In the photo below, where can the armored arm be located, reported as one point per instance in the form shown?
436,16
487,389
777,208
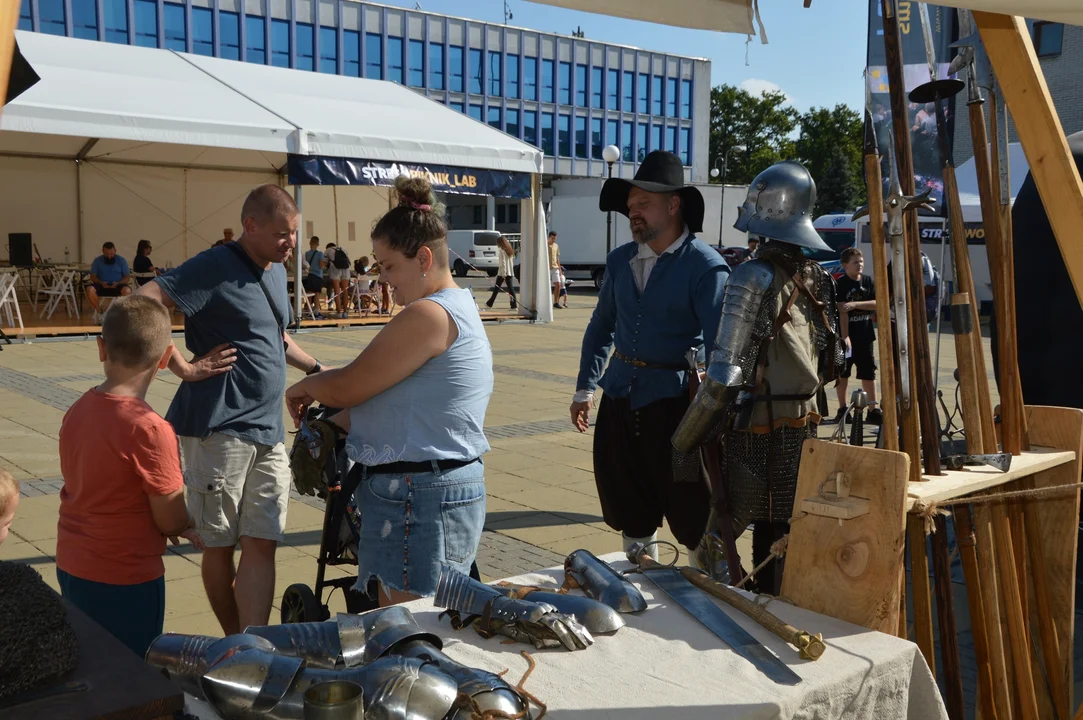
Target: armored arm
725,377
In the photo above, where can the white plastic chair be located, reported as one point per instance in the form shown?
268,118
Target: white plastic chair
9,299
364,288
62,289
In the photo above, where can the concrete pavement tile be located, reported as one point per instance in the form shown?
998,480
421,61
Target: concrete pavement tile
540,528
48,574
178,567
42,506
34,527
585,487
303,517
46,547
16,550
513,461
556,474
204,623
554,499
494,504
598,542
16,472
502,486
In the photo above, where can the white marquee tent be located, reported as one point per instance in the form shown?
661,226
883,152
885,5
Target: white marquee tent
122,143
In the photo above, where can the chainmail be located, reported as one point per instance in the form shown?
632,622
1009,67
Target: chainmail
37,644
762,472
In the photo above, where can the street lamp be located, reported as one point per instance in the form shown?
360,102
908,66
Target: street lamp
715,172
610,153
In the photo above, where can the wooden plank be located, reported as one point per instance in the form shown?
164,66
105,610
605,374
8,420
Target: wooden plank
8,22
991,601
1015,63
921,590
850,570
958,483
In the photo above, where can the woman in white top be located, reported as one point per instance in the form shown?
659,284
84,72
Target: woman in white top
505,272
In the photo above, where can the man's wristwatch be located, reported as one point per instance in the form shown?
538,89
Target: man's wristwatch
315,368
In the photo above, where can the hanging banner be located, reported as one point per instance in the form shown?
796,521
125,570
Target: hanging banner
321,170
928,173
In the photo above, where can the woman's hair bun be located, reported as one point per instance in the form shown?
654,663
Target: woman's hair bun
414,192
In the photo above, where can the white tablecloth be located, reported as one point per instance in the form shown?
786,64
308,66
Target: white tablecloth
664,664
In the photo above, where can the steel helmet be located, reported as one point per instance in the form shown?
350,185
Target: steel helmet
779,206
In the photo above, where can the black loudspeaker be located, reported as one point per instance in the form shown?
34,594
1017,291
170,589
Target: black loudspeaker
20,249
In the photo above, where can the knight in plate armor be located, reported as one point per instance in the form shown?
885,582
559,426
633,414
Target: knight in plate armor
777,345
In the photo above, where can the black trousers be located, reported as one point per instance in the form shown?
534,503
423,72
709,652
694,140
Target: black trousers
634,473
496,290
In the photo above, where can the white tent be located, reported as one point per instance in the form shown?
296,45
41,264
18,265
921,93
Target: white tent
967,177
120,143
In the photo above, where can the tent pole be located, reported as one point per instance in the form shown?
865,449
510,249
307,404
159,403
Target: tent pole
79,210
298,288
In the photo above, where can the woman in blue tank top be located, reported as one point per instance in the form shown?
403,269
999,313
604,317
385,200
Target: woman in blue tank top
416,399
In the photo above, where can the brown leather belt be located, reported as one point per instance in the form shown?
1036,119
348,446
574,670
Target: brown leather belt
682,367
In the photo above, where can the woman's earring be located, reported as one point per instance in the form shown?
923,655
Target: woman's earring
424,274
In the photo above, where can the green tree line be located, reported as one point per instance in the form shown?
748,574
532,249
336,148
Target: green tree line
826,141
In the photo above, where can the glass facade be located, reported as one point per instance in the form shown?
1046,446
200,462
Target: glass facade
567,96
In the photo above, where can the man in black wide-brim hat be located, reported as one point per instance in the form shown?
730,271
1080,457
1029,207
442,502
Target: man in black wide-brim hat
661,296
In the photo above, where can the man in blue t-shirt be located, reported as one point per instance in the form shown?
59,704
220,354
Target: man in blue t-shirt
109,275
228,411
313,281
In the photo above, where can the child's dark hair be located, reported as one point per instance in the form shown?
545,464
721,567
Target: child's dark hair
417,220
849,254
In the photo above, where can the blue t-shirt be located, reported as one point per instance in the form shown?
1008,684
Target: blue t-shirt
222,302
315,262
109,273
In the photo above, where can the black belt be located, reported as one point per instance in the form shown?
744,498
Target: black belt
683,367
421,466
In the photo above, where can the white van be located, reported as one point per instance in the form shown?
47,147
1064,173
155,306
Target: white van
476,249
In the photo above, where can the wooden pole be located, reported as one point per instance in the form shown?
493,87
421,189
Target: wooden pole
969,390
923,400
1013,606
1051,655
945,615
990,595
8,22
921,592
967,543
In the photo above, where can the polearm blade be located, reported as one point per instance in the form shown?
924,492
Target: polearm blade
898,276
927,35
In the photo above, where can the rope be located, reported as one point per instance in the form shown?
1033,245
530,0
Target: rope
476,713
928,513
929,510
778,550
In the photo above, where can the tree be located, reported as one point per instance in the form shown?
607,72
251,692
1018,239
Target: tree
763,124
830,146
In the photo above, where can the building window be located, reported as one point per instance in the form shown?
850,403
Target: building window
548,81
565,92
328,50
176,31
494,73
306,59
530,127
455,68
674,147
596,87
656,138
686,155
513,213
229,35
475,112
581,137
494,117
280,43
374,52
564,135
511,80
628,88
436,66
84,19
417,63
612,90
479,217
686,99
255,44
51,17
203,31
656,95
581,85
146,23
530,78
457,107
26,22
511,123
351,53
547,145
501,214
116,21
628,147
596,138
671,97
394,59
611,137
475,72
641,142
642,83
1048,38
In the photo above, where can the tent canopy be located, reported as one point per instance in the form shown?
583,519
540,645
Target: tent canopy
101,100
967,177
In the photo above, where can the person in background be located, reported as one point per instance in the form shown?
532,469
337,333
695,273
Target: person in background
123,491
9,502
109,276
313,280
417,397
227,237
564,285
505,271
143,263
855,297
385,289
750,251
338,271
554,267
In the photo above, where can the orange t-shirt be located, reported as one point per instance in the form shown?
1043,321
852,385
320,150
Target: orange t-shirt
115,451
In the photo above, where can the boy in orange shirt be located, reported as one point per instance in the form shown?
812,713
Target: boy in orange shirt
9,502
123,490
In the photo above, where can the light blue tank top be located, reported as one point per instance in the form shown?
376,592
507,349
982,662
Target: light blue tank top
438,412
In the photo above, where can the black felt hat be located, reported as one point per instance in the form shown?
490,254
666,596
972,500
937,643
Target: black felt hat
660,172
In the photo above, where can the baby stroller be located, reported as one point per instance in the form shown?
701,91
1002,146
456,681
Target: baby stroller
341,530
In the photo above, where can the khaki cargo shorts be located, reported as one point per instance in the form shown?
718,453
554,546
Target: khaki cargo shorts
235,488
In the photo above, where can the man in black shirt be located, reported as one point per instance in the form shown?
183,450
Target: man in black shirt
855,297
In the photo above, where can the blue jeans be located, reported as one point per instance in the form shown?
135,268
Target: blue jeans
133,614
413,523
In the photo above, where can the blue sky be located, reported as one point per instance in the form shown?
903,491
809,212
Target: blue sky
816,56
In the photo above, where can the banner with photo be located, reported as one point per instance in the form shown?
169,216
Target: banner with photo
928,173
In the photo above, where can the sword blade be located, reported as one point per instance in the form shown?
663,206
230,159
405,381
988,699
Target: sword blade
927,35
703,609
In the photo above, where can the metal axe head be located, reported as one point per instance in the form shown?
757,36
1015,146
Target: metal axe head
999,461
919,202
972,53
862,211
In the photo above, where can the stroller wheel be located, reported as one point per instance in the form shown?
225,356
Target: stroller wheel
299,604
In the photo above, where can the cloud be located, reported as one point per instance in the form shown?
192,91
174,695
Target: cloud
758,86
